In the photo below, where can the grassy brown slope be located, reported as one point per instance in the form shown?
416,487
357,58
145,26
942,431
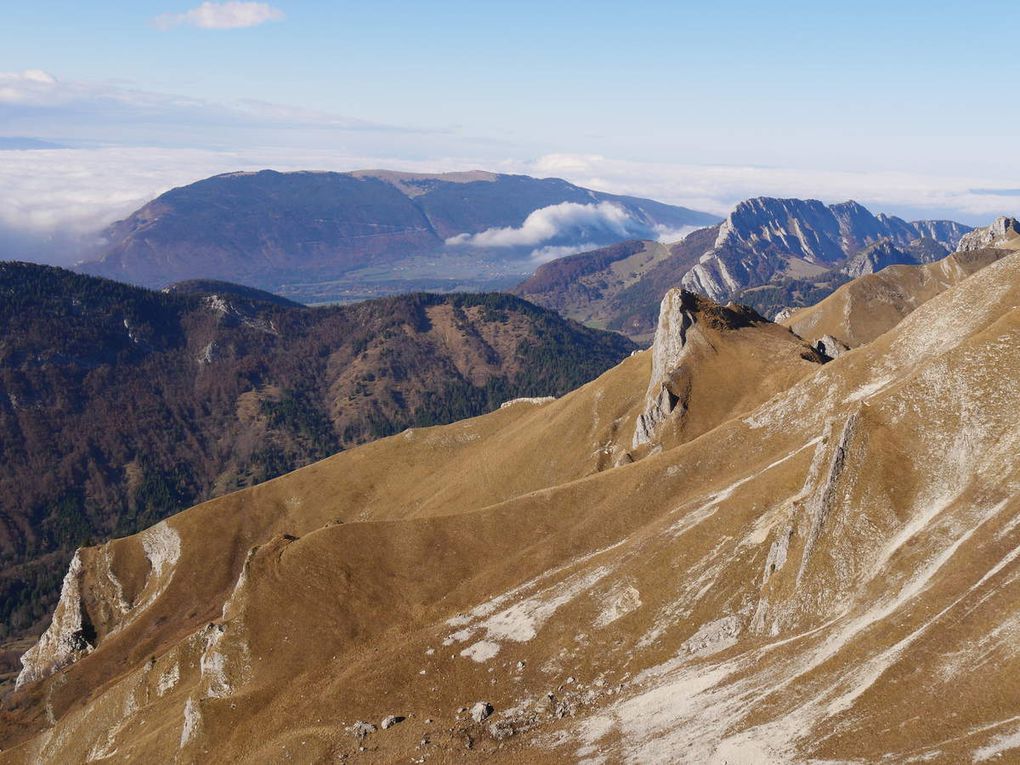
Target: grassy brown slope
865,308
734,361
650,599
120,406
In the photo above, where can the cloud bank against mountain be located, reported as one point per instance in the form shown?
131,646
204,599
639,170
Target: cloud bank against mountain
563,229
769,253
290,232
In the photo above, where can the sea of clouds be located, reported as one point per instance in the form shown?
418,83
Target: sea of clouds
119,147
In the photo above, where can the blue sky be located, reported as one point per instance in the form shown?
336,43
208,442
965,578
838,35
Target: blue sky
907,106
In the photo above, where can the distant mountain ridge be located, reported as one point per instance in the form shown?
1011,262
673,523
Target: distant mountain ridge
769,253
764,237
371,230
215,287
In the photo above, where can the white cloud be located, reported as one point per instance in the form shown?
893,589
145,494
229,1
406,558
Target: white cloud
54,201
668,235
37,104
717,188
229,15
555,221
545,254
28,87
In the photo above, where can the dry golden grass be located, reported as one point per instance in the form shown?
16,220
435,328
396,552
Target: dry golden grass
819,564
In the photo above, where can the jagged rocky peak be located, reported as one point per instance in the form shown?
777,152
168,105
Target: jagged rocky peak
676,317
680,315
763,238
1003,233
948,233
804,227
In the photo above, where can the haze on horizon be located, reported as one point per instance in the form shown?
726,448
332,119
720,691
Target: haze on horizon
906,109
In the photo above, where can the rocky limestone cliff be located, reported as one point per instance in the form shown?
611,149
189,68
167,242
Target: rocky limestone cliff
95,603
1003,233
876,257
761,237
69,636
676,317
687,327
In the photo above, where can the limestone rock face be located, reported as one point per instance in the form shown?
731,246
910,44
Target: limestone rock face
830,346
481,711
783,314
69,635
760,236
535,400
676,317
94,603
1004,232
876,257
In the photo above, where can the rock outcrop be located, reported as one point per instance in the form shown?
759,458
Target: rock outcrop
481,711
676,317
830,346
534,400
763,238
1004,233
876,257
69,636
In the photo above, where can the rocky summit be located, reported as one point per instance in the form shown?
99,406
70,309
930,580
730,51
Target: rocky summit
769,253
798,560
763,237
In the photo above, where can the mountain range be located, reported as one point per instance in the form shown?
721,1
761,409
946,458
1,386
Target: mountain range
769,253
120,406
728,548
322,236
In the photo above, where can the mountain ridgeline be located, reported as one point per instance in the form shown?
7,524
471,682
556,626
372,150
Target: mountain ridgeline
768,253
120,405
725,549
321,236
